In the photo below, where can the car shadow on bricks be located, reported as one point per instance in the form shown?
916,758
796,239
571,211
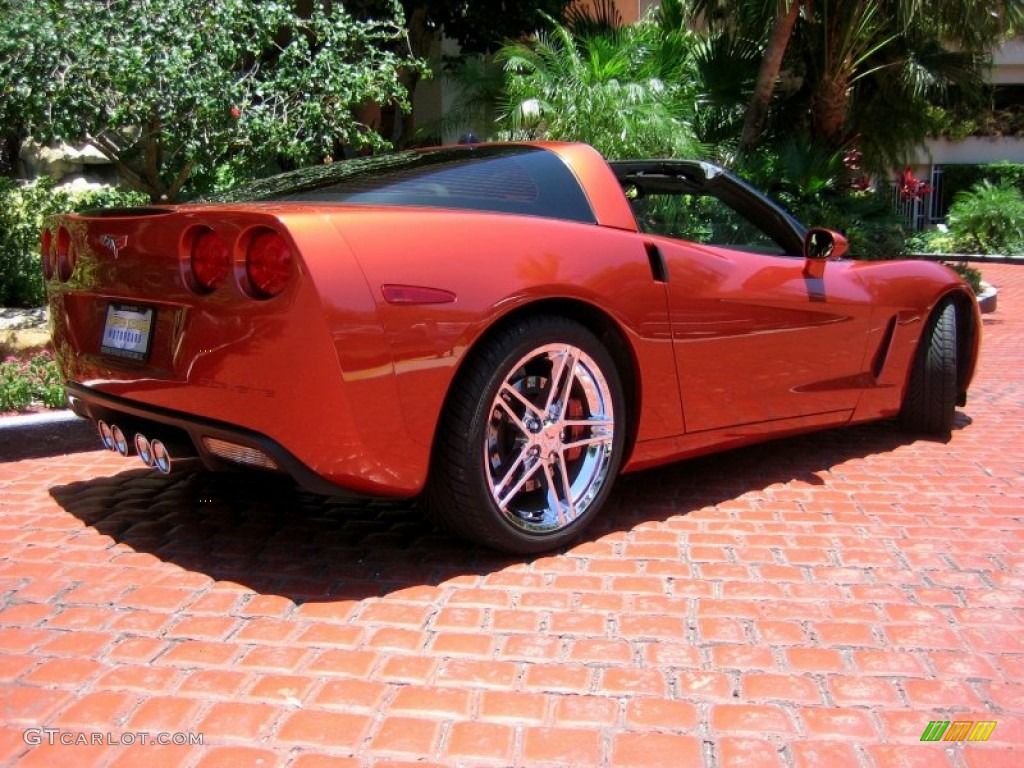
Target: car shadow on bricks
260,531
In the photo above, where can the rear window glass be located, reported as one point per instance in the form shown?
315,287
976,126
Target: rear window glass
495,178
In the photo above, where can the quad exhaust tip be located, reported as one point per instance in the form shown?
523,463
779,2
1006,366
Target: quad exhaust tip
152,452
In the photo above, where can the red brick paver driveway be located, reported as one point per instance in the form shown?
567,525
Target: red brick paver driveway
809,602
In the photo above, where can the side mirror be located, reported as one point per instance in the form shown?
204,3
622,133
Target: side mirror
825,244
821,245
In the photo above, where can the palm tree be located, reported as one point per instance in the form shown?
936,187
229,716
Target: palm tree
853,53
615,89
747,18
786,14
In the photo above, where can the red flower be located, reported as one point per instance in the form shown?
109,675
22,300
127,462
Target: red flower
912,188
236,112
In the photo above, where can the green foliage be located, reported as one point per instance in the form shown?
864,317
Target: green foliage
1005,173
29,382
950,123
23,210
989,218
861,73
935,241
617,91
960,178
814,184
170,89
724,69
867,219
968,273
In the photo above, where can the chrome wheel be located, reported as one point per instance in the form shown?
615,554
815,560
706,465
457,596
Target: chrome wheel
550,438
531,437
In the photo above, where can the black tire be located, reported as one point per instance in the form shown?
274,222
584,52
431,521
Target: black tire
930,402
537,416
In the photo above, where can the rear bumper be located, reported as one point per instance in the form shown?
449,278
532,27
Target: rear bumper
191,435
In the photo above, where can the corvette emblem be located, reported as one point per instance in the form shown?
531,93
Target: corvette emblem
113,243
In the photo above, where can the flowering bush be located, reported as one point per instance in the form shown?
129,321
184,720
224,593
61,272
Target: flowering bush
912,188
30,381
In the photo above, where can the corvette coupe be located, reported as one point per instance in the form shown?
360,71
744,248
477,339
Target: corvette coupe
500,329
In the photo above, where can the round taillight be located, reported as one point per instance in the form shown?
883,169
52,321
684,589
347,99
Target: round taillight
46,248
65,255
268,264
209,260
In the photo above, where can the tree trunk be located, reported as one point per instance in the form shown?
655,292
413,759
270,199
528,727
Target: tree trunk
830,104
771,65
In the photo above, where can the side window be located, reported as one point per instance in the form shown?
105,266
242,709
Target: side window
700,219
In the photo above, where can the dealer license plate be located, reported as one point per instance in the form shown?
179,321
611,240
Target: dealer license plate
128,331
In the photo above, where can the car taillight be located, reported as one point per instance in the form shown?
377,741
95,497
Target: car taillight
268,264
209,260
47,251
65,255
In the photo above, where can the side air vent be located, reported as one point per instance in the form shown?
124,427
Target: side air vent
883,349
659,269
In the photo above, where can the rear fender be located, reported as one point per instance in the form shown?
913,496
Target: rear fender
501,265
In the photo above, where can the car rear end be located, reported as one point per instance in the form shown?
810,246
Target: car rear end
198,332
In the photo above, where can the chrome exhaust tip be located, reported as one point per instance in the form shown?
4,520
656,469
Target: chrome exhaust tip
106,436
145,449
120,441
161,456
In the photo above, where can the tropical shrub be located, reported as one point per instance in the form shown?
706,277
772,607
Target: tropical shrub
616,90
989,218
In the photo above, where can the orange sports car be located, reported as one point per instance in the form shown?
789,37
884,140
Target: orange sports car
500,328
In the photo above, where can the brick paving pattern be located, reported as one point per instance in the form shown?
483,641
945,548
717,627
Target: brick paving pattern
808,602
